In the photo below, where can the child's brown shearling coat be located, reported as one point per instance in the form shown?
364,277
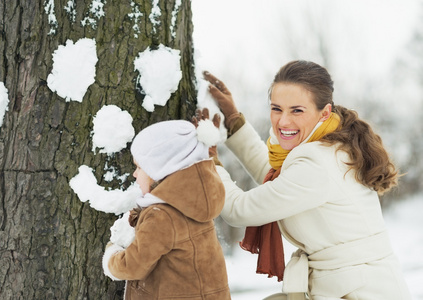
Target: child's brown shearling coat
176,253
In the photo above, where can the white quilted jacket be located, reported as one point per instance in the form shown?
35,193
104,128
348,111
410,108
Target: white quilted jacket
335,221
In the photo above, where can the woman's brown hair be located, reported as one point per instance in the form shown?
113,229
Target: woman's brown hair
369,159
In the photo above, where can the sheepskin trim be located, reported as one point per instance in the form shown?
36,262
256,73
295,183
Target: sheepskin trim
110,251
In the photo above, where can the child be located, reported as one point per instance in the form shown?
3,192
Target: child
175,253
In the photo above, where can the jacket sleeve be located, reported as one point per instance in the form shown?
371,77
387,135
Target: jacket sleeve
304,183
154,237
251,151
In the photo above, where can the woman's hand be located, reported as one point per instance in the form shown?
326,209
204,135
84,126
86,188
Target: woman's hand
223,97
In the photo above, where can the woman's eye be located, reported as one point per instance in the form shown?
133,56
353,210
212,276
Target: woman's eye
276,109
297,111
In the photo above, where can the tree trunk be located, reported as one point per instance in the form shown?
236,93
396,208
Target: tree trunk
51,244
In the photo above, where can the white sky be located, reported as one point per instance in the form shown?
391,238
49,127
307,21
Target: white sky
245,42
373,30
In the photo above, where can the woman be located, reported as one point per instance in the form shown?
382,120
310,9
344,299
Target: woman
327,168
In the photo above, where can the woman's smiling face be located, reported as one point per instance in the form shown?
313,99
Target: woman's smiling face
294,114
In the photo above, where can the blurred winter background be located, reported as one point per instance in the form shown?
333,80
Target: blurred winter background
374,52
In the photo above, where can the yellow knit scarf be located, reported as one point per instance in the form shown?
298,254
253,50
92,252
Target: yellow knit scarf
277,155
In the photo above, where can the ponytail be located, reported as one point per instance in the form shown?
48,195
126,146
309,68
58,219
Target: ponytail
369,159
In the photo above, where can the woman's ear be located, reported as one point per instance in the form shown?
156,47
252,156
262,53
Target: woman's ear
326,111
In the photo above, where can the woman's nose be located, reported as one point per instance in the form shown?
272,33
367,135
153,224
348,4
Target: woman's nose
284,120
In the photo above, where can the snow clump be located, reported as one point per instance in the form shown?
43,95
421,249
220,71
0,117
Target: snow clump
160,73
122,233
117,201
112,129
73,69
205,100
207,133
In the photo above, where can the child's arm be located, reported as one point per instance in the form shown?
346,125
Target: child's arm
111,249
154,237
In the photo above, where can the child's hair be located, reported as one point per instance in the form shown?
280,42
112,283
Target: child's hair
155,184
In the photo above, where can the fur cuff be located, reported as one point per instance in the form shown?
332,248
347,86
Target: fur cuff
110,251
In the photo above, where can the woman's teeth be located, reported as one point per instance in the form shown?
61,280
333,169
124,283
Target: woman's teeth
289,132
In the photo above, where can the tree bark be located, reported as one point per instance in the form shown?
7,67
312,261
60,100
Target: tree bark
51,244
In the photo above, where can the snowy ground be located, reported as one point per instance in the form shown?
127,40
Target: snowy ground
405,224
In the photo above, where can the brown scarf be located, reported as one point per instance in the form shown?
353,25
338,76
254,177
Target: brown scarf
266,240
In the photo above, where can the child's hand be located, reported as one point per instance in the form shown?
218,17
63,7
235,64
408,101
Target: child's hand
204,115
111,250
122,233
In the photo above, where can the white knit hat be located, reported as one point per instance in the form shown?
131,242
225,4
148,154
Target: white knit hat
166,147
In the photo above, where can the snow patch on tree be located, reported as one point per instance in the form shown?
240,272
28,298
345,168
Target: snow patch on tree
160,73
174,17
4,102
49,9
135,15
112,173
112,129
155,15
117,201
71,10
73,69
95,13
